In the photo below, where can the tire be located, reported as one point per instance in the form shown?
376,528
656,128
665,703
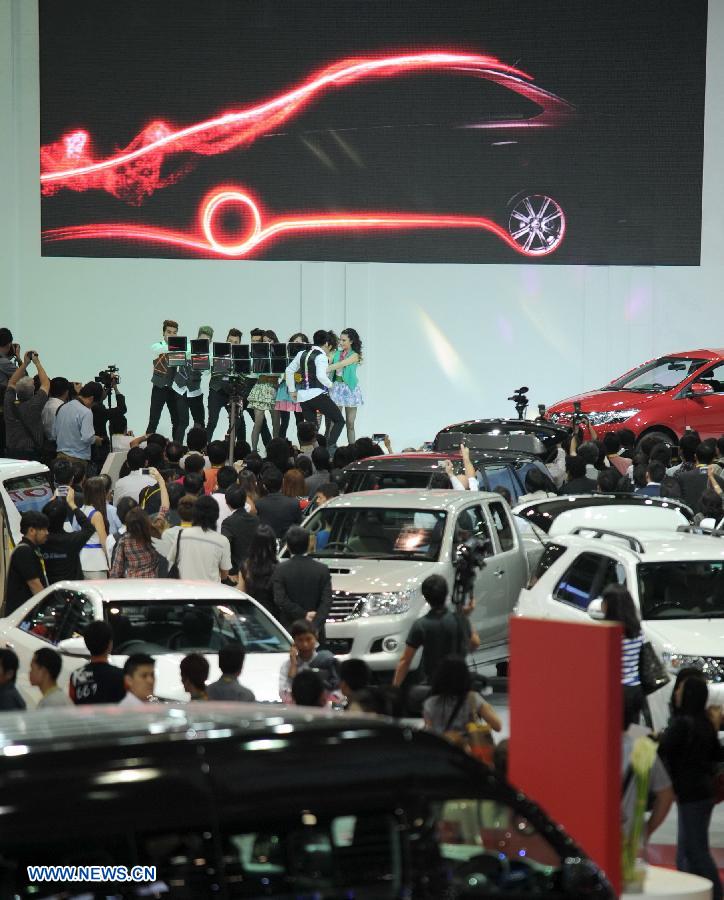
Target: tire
536,222
667,437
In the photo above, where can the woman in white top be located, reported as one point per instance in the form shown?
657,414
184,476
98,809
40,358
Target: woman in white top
93,557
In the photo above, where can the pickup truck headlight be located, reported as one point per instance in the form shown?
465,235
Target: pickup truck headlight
387,603
613,417
710,666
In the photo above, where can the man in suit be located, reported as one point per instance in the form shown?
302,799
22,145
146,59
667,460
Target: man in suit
276,510
695,482
655,474
240,527
302,585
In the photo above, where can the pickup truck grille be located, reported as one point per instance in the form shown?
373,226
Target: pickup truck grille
345,606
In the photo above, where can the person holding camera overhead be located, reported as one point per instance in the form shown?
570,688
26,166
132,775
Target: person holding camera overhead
23,410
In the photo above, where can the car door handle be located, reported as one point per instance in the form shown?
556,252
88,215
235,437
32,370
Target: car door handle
499,573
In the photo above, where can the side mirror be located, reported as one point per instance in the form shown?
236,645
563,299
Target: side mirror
698,389
74,647
595,609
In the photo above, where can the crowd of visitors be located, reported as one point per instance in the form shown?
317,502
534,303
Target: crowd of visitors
179,508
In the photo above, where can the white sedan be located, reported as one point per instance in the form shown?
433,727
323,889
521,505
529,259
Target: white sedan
164,618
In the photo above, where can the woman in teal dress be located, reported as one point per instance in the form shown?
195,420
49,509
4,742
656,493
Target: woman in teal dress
346,391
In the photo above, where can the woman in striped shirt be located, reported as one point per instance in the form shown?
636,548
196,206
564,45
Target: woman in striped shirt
618,606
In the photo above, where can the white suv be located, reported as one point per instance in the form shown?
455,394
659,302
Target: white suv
676,580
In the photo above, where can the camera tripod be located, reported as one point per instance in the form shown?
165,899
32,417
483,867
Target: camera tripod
236,409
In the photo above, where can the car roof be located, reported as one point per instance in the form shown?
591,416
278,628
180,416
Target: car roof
16,468
428,460
106,724
411,498
554,506
149,590
652,546
713,354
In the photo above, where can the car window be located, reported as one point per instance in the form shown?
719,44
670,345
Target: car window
660,375
682,590
551,553
172,626
500,517
714,377
501,476
492,849
55,617
471,523
30,492
378,532
383,481
587,578
313,856
421,98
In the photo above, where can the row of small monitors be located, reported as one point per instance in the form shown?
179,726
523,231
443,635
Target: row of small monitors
259,358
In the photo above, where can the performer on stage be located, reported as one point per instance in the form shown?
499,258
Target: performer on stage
219,393
284,404
189,395
162,394
313,390
345,390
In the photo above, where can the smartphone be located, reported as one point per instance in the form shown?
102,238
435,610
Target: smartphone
145,471
378,438
62,490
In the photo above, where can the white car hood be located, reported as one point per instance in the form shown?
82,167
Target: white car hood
690,637
377,575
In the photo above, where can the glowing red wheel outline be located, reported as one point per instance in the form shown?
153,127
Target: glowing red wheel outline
274,229
209,209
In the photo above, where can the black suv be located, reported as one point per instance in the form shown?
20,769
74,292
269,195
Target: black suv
499,468
523,435
231,800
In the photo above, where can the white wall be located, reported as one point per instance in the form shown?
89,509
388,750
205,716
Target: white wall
443,342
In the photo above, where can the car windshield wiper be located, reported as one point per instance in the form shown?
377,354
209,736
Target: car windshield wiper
336,554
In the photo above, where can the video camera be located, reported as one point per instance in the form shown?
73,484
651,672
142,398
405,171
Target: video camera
107,377
520,398
469,559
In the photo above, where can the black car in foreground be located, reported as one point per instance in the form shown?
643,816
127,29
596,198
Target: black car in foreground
499,468
231,800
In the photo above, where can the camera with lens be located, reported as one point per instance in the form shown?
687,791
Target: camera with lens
107,377
469,559
520,398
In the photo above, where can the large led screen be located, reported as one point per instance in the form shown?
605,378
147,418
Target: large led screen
565,131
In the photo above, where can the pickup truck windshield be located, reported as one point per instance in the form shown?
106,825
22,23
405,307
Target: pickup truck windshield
682,590
377,533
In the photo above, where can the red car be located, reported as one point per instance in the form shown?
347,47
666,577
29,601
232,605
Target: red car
664,396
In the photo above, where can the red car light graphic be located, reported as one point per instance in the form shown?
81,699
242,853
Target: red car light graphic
134,173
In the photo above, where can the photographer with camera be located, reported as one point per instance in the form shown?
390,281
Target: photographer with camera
9,361
441,632
108,381
23,410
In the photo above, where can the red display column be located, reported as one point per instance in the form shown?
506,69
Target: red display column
565,729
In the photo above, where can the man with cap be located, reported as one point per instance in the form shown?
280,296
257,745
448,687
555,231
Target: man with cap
23,410
189,396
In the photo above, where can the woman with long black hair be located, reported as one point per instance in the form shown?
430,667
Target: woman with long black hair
255,576
618,606
346,391
453,703
691,751
262,396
